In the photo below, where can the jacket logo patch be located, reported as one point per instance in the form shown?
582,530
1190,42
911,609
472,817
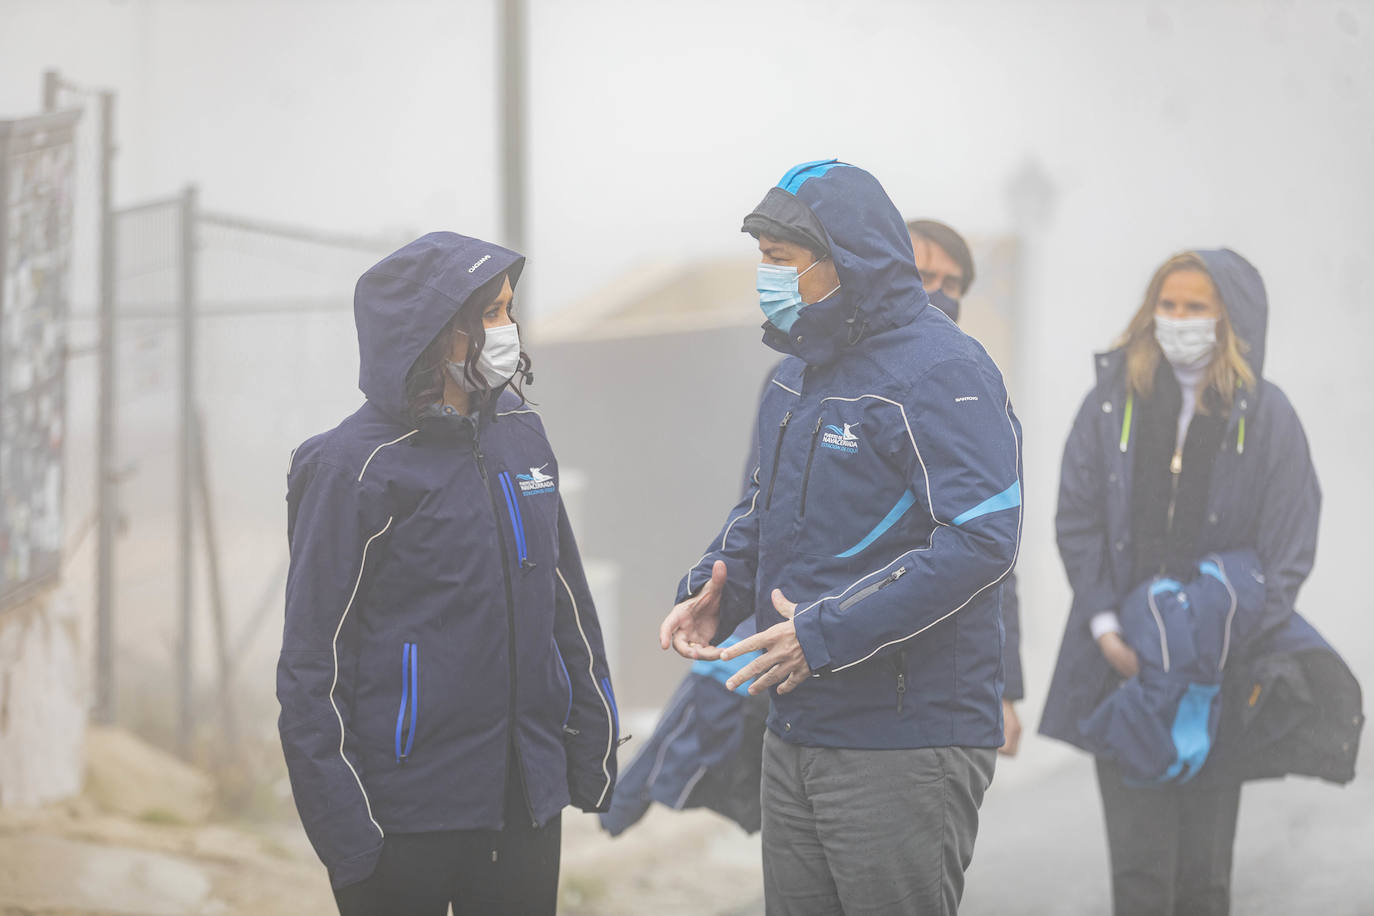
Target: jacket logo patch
841,440
480,261
536,482
967,397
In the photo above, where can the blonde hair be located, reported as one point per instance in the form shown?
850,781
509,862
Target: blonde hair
1226,374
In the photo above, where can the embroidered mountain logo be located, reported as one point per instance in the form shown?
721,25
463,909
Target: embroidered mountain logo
536,482
841,440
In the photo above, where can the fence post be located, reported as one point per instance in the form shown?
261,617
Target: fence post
107,510
186,474
512,88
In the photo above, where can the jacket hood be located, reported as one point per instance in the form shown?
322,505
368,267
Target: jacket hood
880,287
1242,292
406,298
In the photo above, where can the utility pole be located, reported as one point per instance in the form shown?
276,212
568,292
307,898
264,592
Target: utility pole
107,509
186,455
512,87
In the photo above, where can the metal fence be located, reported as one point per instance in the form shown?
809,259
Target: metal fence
235,342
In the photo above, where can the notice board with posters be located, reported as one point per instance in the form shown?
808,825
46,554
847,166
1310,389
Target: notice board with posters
37,179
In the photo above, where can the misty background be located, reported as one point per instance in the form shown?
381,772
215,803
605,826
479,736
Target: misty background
1102,136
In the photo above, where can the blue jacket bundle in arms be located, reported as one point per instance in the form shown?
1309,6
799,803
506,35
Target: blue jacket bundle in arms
1160,725
1263,497
886,499
436,609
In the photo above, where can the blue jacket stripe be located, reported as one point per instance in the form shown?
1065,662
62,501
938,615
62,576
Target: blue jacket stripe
519,518
405,695
414,695
722,670
514,518
1009,498
564,665
894,514
798,175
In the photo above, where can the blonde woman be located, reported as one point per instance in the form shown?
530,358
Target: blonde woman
1182,450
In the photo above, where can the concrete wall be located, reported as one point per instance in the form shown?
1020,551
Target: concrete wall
42,702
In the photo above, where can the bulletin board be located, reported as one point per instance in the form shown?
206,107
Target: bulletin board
37,178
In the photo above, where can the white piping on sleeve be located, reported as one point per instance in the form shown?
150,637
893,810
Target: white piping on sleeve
1230,616
753,503
687,790
507,413
1020,518
591,673
668,743
785,388
1159,622
335,647
379,448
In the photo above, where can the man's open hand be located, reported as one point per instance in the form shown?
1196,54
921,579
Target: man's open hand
782,663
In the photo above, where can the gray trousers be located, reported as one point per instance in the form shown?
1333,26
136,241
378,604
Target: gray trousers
866,832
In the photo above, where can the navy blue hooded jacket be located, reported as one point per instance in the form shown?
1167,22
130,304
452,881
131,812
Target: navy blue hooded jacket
1160,725
885,498
436,609
1263,497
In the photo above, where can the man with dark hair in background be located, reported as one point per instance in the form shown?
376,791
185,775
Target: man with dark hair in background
946,266
713,760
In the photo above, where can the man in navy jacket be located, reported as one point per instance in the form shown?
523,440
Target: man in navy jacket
883,512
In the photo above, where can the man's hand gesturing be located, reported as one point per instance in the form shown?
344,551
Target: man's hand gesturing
691,625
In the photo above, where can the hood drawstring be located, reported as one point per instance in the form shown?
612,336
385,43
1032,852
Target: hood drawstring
858,327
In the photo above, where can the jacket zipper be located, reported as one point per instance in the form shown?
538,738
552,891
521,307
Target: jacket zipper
1175,471
517,520
777,456
410,700
867,590
567,680
810,456
510,622
901,678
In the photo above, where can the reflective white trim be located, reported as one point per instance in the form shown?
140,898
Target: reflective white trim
785,388
930,505
687,790
591,673
1020,518
668,743
1231,615
379,448
1159,622
753,503
335,648
507,413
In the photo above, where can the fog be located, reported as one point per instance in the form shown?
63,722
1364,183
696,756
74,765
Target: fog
1102,136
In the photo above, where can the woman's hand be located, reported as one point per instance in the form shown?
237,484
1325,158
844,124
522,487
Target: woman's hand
1119,655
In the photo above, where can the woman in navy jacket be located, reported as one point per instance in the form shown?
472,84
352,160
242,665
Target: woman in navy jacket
443,682
1181,449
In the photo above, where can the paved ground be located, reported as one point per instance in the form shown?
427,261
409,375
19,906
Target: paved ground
1303,847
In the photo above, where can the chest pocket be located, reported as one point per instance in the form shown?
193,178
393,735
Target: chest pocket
529,496
852,492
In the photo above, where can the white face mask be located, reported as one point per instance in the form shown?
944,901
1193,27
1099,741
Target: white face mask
1187,342
497,362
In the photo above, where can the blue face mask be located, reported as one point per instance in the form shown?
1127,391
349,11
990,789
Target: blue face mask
780,295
